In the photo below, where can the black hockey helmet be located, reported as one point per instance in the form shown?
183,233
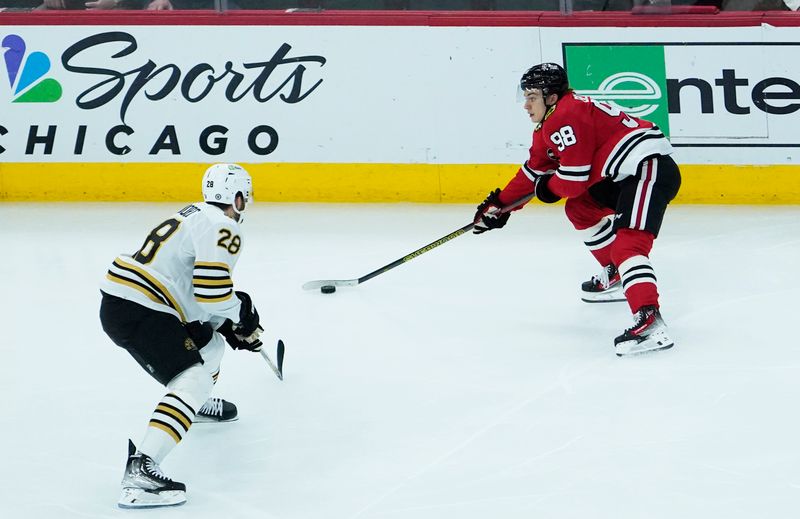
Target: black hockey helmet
550,78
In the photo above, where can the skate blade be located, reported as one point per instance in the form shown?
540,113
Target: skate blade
614,297
141,498
203,419
614,300
665,345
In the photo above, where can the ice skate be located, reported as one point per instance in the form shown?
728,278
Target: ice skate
649,333
605,287
216,410
145,486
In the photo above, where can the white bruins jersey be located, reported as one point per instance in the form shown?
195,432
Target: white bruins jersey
184,267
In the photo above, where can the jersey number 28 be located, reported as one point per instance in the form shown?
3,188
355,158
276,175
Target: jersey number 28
229,241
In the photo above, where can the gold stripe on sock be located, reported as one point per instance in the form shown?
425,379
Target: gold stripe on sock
174,413
167,429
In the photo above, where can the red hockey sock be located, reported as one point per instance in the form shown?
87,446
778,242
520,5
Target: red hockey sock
629,253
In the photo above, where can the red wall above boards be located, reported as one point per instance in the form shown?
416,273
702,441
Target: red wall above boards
689,18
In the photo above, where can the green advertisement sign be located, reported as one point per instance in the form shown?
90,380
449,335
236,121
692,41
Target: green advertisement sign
632,78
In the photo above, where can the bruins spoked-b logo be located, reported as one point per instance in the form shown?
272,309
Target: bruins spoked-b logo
189,344
26,73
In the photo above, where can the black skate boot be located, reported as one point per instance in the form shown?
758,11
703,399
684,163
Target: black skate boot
216,410
649,333
145,486
603,288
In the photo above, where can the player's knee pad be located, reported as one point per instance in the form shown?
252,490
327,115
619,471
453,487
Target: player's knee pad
193,385
583,212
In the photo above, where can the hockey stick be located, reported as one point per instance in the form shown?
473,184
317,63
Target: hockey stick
312,285
278,370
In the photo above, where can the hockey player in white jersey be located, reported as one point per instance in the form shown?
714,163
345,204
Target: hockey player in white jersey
172,306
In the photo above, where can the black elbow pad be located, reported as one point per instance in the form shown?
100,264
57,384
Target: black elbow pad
543,193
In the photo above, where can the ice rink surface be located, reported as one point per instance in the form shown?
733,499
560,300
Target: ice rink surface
468,383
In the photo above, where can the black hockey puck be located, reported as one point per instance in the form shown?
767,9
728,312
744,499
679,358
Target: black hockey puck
328,289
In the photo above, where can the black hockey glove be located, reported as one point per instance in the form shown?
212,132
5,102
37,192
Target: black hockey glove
543,192
488,216
240,342
200,333
248,316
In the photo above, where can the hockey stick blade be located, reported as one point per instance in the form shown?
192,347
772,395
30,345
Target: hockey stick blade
280,357
275,369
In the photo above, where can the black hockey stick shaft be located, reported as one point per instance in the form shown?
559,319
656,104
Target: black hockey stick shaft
418,252
440,241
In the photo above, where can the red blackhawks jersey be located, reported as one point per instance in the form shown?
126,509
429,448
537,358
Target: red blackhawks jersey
584,141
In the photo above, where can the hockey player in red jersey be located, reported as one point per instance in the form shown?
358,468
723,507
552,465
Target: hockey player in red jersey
172,306
617,176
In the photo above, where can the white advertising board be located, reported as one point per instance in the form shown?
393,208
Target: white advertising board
264,94
432,95
724,95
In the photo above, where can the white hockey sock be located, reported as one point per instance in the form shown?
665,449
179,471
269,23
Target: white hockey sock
175,412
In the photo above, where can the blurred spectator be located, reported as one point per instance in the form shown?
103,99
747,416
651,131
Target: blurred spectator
760,5
379,5
601,5
152,5
19,4
91,5
169,5
667,5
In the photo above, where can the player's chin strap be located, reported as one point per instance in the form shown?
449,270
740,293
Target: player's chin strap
550,110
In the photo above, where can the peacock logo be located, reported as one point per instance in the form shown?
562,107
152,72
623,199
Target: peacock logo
25,74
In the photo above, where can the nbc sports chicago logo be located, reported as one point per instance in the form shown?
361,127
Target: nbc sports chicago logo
27,73
84,69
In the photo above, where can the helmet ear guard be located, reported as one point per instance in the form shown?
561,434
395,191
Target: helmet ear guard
222,182
550,78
